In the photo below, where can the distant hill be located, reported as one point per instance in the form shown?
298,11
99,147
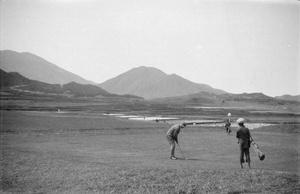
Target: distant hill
255,101
37,68
211,98
18,82
85,90
91,90
288,97
14,79
150,83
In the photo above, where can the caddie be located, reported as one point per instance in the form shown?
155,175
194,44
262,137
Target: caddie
244,139
172,137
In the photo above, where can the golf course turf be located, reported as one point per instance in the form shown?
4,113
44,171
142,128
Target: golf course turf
50,152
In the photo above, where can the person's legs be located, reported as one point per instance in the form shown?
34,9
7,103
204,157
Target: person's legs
172,148
242,152
227,130
247,153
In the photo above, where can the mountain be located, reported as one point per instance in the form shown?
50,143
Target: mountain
15,81
150,83
37,68
288,97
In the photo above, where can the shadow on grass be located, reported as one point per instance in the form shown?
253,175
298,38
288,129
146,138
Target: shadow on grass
195,159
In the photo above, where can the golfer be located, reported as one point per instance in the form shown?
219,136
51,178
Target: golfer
244,139
228,124
172,137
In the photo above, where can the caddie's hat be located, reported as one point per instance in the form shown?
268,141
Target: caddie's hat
240,120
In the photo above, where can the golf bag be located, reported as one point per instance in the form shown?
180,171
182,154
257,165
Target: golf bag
255,148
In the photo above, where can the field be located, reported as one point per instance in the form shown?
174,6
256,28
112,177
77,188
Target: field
83,151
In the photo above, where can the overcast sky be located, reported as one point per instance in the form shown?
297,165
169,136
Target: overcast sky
237,46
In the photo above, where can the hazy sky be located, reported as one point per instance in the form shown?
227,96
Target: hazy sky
237,46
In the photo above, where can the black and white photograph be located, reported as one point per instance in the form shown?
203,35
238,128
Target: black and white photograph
149,96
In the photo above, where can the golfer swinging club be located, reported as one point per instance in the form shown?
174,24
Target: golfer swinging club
172,137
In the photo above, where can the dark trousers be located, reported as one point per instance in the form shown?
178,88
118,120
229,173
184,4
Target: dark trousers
227,130
244,151
172,144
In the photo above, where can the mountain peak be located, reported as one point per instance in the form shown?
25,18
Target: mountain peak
36,68
145,69
150,82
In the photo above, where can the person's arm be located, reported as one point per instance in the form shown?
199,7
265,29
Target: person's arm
176,132
176,137
250,137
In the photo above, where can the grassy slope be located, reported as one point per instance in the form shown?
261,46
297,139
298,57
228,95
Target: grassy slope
63,153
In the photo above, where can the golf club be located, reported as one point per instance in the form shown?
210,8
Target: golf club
181,151
257,151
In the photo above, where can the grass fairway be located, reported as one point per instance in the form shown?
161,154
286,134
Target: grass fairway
46,152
